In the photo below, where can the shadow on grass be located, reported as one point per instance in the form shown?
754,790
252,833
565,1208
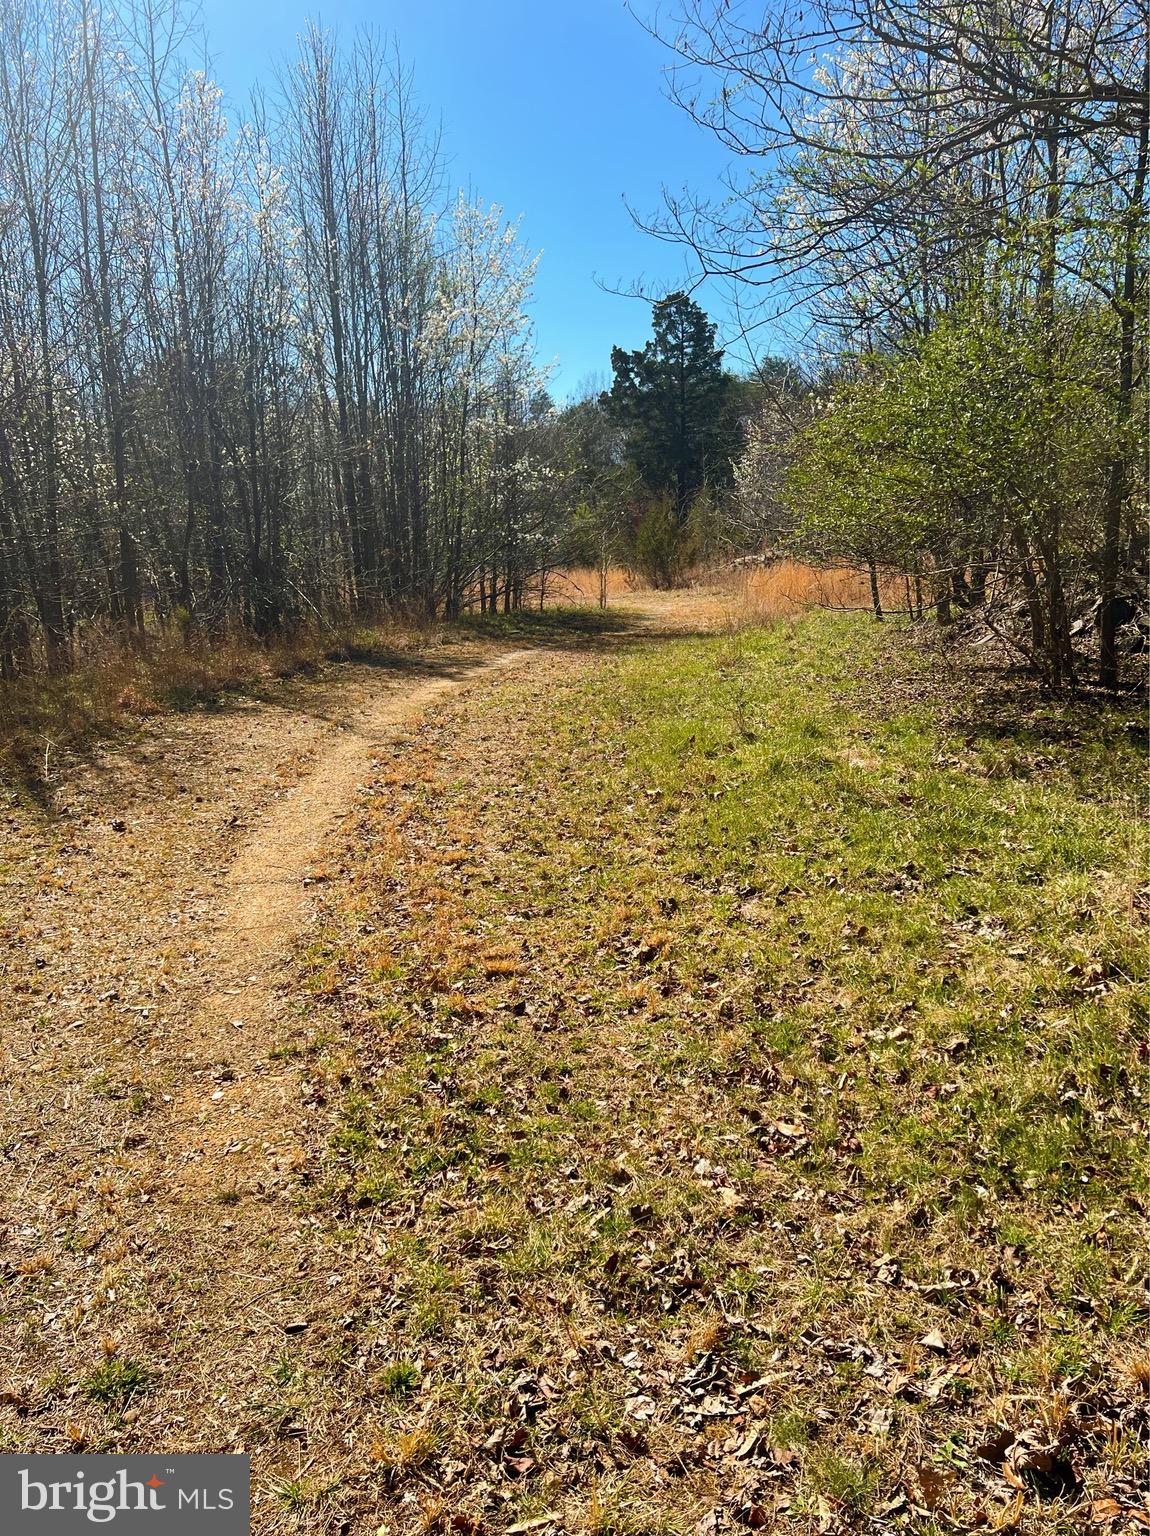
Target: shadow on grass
556,626
995,701
1012,706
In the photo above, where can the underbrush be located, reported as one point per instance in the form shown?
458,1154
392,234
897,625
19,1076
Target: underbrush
114,687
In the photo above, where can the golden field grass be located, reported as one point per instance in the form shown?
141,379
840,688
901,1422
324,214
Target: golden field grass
786,588
754,594
578,586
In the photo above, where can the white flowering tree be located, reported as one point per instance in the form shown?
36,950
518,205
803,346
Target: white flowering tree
255,365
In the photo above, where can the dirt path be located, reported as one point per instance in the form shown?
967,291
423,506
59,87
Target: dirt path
265,901
266,907
142,998
152,1126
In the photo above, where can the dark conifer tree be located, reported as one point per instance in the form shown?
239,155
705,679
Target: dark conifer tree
676,404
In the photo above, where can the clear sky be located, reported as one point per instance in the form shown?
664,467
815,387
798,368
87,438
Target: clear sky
555,109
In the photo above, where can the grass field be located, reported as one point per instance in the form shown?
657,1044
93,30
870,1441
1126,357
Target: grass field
728,1065
783,589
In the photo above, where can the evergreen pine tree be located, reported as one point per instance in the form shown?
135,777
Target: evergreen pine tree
676,404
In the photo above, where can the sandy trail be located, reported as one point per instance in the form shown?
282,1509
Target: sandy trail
234,1122
265,896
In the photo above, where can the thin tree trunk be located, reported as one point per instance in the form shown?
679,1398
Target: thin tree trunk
1116,488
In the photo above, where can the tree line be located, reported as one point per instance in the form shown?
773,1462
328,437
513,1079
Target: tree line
955,196
254,368
263,368
654,459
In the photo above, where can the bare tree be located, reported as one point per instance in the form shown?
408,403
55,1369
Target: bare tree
253,369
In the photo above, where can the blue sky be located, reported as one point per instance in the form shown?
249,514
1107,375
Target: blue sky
554,109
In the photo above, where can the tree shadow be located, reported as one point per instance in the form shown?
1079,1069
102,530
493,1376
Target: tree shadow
1010,705
582,629
555,626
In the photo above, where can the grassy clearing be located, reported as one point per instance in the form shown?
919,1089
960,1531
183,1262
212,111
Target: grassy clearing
732,1058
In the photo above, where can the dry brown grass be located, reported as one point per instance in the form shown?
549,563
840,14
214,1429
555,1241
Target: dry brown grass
113,688
788,587
757,594
573,587
580,585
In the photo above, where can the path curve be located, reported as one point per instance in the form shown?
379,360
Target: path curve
156,1138
223,1129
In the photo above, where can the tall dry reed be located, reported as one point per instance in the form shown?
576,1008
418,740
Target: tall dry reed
787,587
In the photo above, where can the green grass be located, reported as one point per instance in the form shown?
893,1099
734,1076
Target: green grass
115,1382
399,1379
755,1006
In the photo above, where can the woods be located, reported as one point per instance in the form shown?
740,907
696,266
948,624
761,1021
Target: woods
956,197
257,367
261,367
